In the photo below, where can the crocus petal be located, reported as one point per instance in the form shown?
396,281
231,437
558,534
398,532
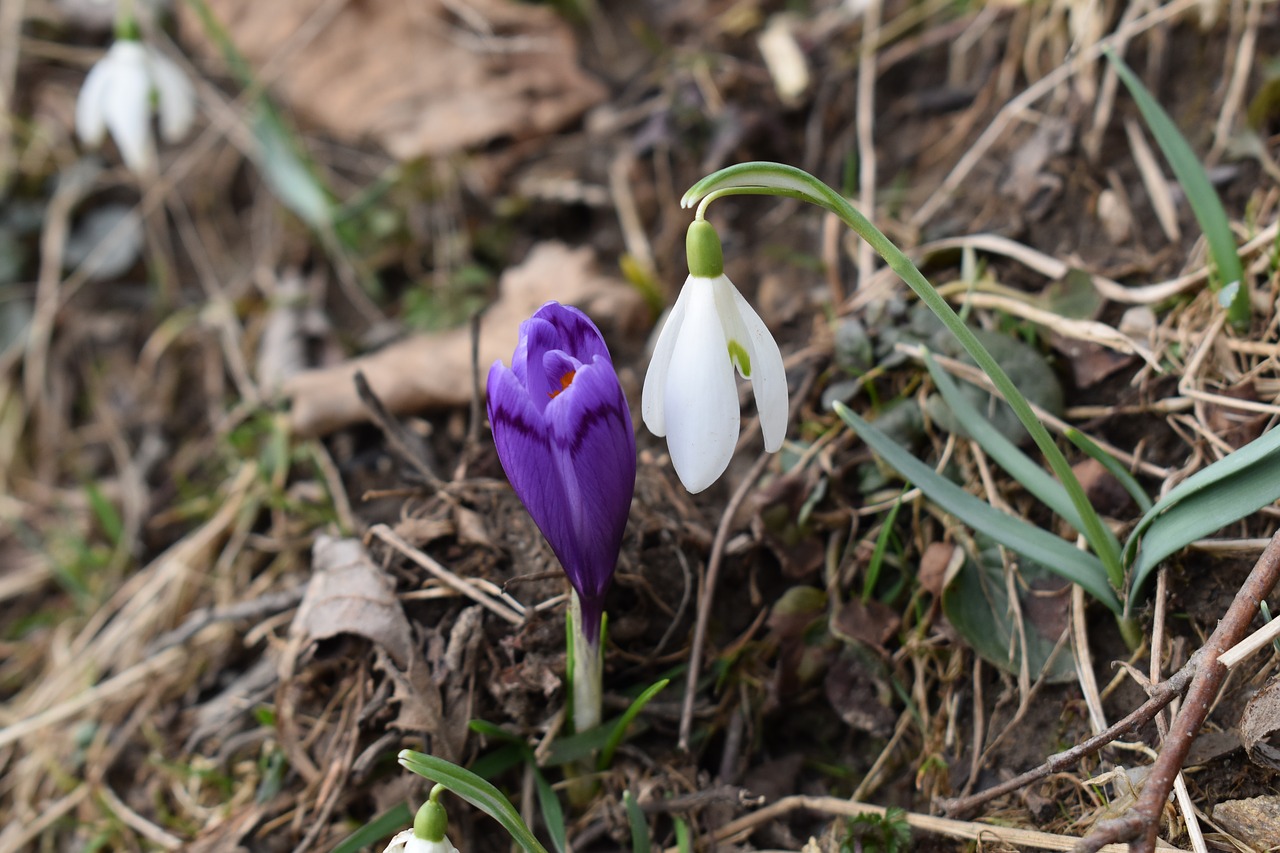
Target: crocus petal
554,327
537,338
523,441
562,430
578,335
176,99
594,448
768,376
701,400
91,125
127,106
653,397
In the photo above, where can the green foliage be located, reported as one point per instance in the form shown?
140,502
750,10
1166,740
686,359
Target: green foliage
977,605
639,827
619,728
1226,491
1233,289
788,181
375,830
470,787
430,309
873,833
1021,536
280,157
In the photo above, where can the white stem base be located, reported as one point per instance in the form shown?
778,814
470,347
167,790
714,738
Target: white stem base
588,673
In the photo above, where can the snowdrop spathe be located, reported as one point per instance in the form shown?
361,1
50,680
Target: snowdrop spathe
117,95
690,394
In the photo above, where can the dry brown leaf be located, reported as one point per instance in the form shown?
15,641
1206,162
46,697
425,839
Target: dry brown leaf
1235,426
872,623
1105,492
1255,821
349,594
938,565
425,78
421,709
434,370
858,692
1260,726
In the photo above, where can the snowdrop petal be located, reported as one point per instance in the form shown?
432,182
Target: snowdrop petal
175,96
126,104
653,397
700,399
407,842
768,376
91,124
117,97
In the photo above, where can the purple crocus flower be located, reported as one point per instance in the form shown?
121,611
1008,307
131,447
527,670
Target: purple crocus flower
563,433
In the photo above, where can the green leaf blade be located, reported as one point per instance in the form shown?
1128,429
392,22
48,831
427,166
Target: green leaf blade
475,791
619,729
1225,492
1006,454
639,828
1059,556
1204,200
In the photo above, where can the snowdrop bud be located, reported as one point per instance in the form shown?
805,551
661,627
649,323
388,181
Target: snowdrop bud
427,835
117,97
690,395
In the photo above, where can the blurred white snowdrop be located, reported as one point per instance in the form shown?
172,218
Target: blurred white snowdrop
117,97
690,395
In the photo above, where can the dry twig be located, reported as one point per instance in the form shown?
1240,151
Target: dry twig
1143,820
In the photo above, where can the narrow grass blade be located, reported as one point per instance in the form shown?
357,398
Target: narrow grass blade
493,764
877,556
494,731
580,746
619,730
761,178
474,790
284,166
1197,509
684,843
1019,466
549,804
387,823
1204,201
639,828
1059,556
1113,466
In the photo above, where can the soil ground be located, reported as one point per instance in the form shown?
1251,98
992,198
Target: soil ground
167,507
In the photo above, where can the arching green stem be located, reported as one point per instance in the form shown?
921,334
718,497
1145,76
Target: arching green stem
778,179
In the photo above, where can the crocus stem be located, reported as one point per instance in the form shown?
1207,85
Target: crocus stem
588,671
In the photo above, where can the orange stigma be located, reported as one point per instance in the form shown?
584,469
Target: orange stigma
565,382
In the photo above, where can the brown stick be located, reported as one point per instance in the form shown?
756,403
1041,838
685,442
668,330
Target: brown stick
1190,677
1161,694
1142,823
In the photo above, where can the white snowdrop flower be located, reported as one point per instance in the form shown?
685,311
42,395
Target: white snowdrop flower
117,97
407,842
690,395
